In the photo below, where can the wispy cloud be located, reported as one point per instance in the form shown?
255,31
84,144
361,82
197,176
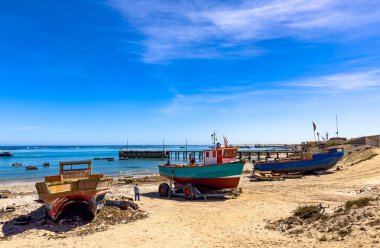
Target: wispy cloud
348,82
211,29
209,98
343,81
29,128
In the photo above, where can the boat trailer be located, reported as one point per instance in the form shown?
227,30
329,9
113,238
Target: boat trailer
190,192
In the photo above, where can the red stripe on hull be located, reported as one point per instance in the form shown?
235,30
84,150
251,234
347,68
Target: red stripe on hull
210,183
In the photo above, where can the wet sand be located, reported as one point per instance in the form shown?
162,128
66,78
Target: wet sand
219,222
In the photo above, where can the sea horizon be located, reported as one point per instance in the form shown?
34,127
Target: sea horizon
38,155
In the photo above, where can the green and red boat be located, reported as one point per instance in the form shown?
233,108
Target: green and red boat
219,171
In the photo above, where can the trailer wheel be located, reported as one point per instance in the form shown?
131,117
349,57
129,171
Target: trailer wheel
163,189
188,191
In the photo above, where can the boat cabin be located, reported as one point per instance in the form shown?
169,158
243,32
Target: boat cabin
220,155
74,171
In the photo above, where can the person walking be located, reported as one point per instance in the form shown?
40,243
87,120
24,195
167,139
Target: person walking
136,189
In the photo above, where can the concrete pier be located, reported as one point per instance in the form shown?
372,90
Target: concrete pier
184,155
142,154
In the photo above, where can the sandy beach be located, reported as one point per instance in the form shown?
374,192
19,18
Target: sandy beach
219,222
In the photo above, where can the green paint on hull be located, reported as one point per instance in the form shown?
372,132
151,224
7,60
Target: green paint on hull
204,171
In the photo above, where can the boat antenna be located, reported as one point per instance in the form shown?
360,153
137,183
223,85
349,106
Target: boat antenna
213,135
336,121
225,141
213,138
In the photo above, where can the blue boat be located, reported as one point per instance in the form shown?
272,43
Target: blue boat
308,163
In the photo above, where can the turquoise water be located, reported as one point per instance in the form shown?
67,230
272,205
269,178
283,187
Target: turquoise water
54,154
36,156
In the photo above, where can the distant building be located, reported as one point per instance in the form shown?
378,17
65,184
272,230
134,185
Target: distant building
323,144
373,140
336,141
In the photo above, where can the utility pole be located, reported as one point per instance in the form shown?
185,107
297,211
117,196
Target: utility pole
336,120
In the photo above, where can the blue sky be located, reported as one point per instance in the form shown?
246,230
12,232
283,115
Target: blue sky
103,72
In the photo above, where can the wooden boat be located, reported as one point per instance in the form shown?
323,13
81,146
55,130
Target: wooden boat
307,162
274,176
74,189
46,164
31,167
6,154
219,171
17,164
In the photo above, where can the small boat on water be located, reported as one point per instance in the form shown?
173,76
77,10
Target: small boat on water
306,162
17,164
108,159
74,189
46,164
6,154
219,171
31,167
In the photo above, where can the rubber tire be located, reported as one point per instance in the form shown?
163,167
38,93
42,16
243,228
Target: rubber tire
163,189
188,192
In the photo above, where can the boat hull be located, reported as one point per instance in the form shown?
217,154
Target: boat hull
217,176
6,155
89,193
322,161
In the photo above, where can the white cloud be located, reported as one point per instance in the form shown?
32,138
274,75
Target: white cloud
253,93
343,81
210,29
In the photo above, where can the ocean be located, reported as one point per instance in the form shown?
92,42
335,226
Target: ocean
37,155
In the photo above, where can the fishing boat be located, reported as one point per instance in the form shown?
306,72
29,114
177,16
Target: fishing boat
74,189
219,171
6,154
108,159
306,162
31,167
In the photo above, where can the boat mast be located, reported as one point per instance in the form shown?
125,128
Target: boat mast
213,137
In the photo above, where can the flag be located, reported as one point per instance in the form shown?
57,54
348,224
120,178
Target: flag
314,126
